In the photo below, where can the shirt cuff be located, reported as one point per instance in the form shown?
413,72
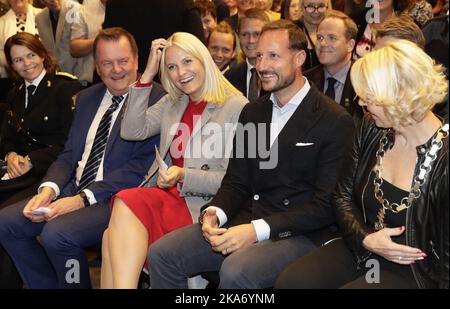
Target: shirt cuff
142,85
90,196
220,215
262,229
52,185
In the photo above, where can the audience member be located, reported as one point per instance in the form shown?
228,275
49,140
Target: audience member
391,201
198,97
94,165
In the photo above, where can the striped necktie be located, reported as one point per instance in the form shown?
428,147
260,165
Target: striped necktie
98,148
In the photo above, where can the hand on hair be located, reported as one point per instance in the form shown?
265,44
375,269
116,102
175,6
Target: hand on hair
153,60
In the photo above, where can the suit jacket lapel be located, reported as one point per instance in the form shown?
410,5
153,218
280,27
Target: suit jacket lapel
18,104
303,119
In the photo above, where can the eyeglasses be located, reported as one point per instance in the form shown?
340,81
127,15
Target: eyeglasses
312,8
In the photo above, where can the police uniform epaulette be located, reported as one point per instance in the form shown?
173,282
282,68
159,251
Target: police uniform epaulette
67,75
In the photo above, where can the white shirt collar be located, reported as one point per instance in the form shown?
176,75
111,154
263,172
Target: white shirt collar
296,99
37,80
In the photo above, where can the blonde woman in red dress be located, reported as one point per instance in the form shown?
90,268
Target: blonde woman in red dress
195,122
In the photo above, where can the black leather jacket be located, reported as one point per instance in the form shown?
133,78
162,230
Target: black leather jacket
427,219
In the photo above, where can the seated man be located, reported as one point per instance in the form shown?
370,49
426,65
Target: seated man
272,207
336,36
221,44
95,164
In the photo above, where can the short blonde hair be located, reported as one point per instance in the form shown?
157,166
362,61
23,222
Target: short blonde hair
216,88
402,78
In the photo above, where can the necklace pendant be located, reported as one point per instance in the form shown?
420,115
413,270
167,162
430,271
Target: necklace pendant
379,225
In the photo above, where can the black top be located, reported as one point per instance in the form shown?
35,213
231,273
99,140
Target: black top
394,195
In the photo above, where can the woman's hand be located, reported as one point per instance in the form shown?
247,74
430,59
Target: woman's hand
380,243
17,165
153,61
170,178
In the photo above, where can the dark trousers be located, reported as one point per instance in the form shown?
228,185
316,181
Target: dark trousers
58,259
184,253
333,266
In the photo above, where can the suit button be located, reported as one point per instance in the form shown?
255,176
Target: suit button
256,197
205,167
286,202
45,118
21,120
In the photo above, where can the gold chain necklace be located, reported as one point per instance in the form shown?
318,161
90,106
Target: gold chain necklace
419,179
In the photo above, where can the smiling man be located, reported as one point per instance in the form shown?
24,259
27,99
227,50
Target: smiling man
94,165
336,36
244,76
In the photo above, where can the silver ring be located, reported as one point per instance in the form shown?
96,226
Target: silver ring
226,251
399,258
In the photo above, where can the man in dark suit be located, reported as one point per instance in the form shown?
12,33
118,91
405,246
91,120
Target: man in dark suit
149,20
94,165
244,76
271,207
336,35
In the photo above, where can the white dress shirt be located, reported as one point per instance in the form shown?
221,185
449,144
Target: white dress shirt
104,105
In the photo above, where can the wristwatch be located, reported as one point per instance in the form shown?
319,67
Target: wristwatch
85,199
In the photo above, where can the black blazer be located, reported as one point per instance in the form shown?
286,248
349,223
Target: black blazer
152,19
294,197
349,99
237,76
47,119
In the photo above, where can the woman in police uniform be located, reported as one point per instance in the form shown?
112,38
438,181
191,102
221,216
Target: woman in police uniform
38,118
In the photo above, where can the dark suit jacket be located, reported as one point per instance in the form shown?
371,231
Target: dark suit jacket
125,162
237,76
294,197
47,119
349,100
152,19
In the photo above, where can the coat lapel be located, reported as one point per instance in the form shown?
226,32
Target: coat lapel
303,119
173,118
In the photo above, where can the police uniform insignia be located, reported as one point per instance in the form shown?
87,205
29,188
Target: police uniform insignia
49,84
74,100
65,74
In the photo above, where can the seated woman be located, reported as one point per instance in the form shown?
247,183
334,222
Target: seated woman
196,123
38,118
391,201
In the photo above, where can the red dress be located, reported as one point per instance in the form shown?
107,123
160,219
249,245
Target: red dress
162,211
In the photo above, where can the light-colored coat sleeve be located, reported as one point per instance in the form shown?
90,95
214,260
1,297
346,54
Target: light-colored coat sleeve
140,121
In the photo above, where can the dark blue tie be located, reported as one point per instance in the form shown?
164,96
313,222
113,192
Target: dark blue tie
98,148
330,89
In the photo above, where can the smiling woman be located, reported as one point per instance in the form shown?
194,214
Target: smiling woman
39,114
198,96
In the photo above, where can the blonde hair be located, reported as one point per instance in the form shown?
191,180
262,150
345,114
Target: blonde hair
216,88
402,78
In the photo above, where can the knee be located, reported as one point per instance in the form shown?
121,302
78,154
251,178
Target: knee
54,238
11,219
234,274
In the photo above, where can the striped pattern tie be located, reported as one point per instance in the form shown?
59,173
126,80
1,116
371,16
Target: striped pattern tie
98,148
